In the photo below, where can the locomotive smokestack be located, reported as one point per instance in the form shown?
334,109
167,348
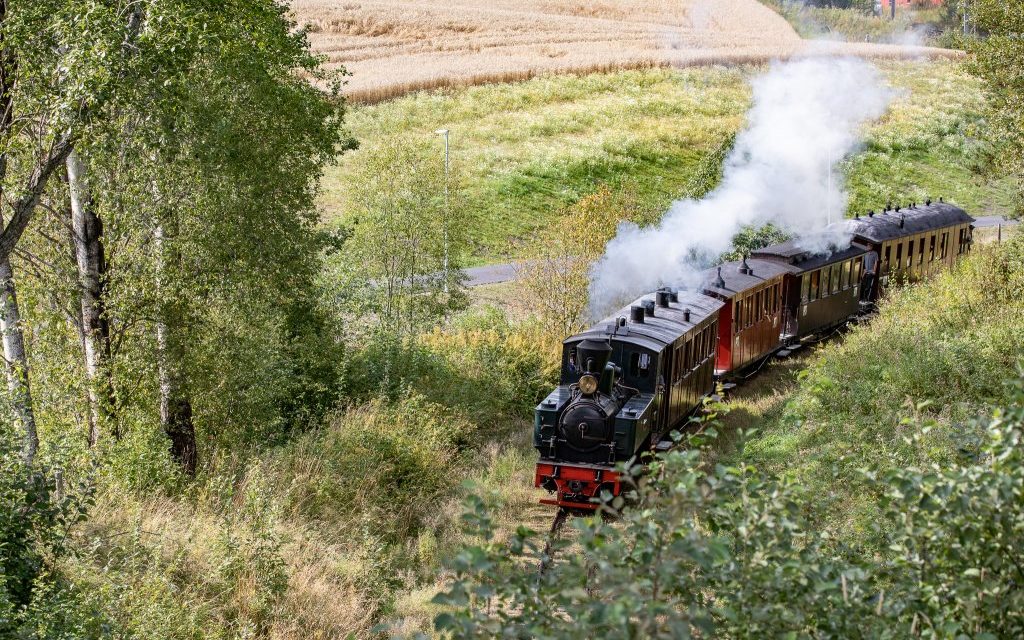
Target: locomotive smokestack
594,354
720,283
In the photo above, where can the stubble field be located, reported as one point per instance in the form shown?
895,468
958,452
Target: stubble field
393,47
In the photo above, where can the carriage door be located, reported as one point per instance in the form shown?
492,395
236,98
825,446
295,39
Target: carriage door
790,305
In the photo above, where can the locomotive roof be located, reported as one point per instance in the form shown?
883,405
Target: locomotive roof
791,252
738,282
654,333
916,219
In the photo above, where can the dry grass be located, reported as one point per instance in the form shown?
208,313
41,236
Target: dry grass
393,47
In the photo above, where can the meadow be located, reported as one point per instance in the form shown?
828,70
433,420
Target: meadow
392,48
524,151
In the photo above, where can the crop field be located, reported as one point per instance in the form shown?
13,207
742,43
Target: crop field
524,151
393,47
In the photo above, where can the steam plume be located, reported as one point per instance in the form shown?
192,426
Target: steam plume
806,117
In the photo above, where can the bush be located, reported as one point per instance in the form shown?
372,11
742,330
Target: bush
939,351
379,462
36,601
731,552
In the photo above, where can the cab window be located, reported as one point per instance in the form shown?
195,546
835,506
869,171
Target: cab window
639,363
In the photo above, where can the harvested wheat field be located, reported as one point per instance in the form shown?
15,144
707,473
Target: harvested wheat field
393,47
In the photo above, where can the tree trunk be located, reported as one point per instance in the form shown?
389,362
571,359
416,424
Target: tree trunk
175,402
16,360
87,235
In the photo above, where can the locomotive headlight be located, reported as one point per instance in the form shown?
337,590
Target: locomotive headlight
588,384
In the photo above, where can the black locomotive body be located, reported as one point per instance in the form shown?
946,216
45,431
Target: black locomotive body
639,374
625,383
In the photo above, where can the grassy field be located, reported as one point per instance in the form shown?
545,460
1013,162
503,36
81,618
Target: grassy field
525,150
857,400
392,47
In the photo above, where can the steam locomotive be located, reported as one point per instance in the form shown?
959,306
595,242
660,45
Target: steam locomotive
636,376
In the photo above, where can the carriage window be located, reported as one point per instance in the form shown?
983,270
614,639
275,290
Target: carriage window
942,245
885,263
910,253
857,265
815,280
931,249
826,277
837,273
638,364
899,256
759,306
846,275
805,288
920,251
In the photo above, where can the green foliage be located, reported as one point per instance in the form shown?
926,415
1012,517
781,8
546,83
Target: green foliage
856,21
998,59
402,261
732,552
966,337
751,239
955,534
382,462
36,601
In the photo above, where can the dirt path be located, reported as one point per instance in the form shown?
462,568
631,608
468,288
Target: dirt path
395,46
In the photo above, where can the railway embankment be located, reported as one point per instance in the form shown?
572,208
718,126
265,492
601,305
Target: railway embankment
938,354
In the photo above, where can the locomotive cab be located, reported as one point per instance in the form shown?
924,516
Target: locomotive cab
624,384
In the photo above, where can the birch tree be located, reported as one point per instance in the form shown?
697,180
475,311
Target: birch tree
403,224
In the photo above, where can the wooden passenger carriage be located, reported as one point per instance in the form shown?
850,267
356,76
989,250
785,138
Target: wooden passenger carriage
751,320
914,242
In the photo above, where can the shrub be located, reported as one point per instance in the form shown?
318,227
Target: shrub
379,462
731,552
939,350
36,601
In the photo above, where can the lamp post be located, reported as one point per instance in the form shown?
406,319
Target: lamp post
444,220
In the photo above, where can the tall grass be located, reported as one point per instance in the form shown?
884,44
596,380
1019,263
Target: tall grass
344,525
939,352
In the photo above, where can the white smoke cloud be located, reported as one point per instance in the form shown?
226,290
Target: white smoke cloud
806,117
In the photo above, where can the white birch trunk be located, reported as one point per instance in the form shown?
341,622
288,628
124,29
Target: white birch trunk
175,402
16,360
87,235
